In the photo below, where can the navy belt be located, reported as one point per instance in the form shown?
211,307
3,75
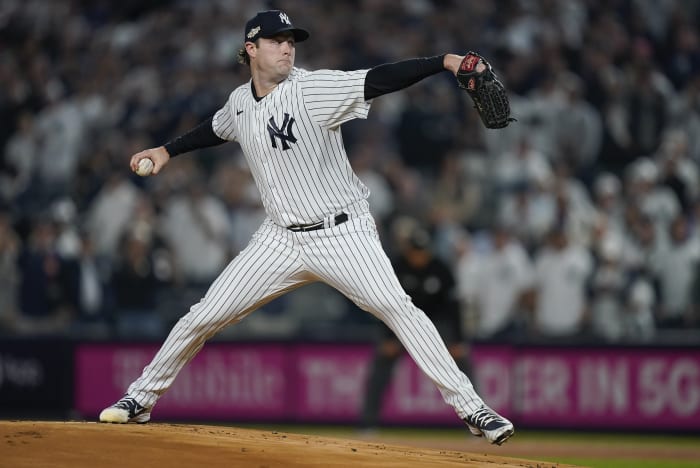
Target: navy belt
339,219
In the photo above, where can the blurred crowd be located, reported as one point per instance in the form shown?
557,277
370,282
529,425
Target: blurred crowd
580,220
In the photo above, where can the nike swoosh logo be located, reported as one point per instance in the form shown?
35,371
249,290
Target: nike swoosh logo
239,112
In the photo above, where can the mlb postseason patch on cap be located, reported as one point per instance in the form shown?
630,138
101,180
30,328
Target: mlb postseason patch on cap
270,23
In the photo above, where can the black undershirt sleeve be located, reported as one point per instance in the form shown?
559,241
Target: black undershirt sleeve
201,136
382,79
390,77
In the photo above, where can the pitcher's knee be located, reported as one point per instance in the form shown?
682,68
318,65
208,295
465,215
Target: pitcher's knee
388,306
202,320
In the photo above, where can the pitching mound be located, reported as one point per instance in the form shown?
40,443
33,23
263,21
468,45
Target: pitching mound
88,444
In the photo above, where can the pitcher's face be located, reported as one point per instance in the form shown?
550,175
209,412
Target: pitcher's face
274,55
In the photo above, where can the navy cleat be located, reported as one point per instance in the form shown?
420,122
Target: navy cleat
486,422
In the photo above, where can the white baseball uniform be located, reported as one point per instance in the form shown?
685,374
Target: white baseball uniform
292,141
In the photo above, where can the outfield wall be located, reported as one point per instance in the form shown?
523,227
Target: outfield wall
538,387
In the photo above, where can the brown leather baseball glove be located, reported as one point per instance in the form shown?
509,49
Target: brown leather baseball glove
487,92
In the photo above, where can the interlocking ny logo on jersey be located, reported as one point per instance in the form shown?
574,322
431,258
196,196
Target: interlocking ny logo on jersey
284,133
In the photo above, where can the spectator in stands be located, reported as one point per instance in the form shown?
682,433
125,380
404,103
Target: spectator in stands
531,210
641,246
647,96
65,217
676,266
574,209
458,200
109,212
364,158
48,286
94,299
683,50
677,170
428,126
609,207
639,312
607,290
17,167
466,270
61,130
562,271
501,285
136,283
410,197
657,202
195,225
233,184
685,114
10,246
579,127
522,166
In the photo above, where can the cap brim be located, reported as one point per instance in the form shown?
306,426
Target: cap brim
299,34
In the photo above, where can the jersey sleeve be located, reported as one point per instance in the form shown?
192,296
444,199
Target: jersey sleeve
223,123
334,97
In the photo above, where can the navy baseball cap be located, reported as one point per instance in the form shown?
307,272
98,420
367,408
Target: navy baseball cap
270,23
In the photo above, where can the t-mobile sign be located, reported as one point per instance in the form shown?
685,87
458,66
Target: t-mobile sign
247,382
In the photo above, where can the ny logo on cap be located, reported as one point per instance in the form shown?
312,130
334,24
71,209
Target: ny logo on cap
285,19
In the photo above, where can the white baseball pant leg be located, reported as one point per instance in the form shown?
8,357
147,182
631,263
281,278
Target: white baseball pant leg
267,268
350,258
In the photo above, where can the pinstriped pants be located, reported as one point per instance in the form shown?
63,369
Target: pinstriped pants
348,257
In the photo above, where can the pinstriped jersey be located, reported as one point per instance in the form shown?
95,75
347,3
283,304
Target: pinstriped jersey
292,141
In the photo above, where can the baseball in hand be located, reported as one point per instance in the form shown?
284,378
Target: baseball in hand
145,167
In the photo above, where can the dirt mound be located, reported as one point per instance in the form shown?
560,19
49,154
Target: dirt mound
87,444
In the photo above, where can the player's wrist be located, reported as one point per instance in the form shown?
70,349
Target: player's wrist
451,62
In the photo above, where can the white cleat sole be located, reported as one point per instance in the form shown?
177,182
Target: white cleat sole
496,440
120,416
507,434
114,415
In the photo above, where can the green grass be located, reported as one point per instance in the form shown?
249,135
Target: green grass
616,463
620,438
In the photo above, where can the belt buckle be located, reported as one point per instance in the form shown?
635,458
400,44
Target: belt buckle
305,227
312,227
329,222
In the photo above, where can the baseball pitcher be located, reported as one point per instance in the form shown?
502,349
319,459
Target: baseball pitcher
318,226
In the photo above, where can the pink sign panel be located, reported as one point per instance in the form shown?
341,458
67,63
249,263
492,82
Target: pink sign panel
607,388
313,383
412,397
493,370
246,382
536,387
331,383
